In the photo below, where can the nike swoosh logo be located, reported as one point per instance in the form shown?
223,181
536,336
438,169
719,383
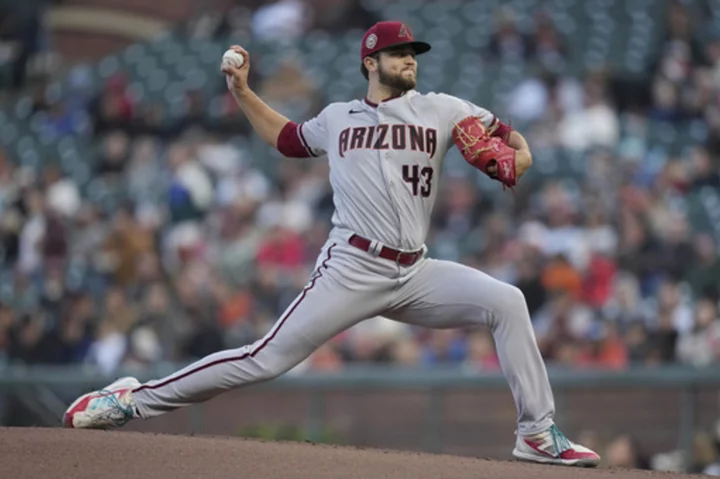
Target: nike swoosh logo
352,112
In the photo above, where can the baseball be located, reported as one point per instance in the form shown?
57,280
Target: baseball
232,58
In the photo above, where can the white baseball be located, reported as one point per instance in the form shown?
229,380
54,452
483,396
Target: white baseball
232,58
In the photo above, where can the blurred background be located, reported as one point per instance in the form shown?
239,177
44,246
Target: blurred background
143,225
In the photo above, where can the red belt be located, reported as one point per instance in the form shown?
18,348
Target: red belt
400,257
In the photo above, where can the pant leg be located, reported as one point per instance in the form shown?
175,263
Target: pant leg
324,308
442,294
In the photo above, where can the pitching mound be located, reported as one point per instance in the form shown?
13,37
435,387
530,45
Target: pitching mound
60,453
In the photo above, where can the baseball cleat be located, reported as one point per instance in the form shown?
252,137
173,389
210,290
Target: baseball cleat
107,408
552,447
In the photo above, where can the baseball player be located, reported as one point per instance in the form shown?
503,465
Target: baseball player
386,153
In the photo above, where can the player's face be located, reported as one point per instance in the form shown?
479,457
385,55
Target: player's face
397,69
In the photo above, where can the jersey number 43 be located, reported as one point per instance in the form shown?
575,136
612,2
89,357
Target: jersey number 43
412,175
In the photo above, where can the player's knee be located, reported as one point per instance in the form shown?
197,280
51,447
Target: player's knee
518,297
270,369
513,299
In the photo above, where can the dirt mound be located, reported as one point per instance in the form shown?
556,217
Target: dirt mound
60,453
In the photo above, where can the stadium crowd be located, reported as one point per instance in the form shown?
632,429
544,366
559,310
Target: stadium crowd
204,249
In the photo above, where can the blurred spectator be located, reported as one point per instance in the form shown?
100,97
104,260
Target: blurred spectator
113,159
547,46
32,233
7,321
600,235
672,308
529,280
338,16
704,173
624,307
680,49
190,189
713,468
107,351
145,175
605,349
280,255
113,108
87,235
559,275
21,27
662,341
26,345
546,96
507,43
290,91
124,246
204,338
596,124
598,279
445,346
144,348
704,453
281,21
152,119
406,353
55,241
63,195
481,354
159,313
70,339
60,121
666,101
703,276
234,305
638,343
326,359
562,322
700,346
119,311
624,451
379,339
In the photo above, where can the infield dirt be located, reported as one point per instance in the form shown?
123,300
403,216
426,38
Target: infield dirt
49,453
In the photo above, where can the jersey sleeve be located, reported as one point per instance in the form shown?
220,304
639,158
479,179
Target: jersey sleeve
313,134
305,139
458,109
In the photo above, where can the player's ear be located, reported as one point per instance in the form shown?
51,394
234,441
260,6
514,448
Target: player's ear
371,63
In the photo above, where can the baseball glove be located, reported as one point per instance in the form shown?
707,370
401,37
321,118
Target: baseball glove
487,153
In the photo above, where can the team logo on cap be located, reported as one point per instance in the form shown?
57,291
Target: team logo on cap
404,32
371,41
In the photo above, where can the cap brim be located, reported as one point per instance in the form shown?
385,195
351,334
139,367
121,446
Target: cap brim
419,47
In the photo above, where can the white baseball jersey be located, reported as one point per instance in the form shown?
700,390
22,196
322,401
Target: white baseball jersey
386,159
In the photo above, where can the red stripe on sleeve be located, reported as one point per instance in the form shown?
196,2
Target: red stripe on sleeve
304,141
289,144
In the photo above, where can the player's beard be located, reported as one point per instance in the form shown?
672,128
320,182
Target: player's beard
395,82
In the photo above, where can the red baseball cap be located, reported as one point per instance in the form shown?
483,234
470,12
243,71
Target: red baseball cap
384,35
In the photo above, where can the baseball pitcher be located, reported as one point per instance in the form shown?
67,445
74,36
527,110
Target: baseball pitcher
386,153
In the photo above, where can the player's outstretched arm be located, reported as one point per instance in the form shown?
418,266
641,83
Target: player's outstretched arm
267,122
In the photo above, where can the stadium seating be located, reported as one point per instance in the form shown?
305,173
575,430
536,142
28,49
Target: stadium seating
618,34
